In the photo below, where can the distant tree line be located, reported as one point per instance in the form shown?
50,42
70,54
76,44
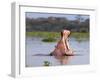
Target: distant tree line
57,24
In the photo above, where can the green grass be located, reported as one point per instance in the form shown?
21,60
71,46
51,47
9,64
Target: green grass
52,36
80,36
43,34
47,36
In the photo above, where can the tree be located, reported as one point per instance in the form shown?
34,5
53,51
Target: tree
79,19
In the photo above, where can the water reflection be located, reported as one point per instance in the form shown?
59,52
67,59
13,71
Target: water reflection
63,59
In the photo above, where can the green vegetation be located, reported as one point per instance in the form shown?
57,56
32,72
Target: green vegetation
80,36
56,24
43,34
49,28
47,36
47,63
52,36
49,40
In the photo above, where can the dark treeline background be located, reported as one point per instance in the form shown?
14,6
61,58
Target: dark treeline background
80,24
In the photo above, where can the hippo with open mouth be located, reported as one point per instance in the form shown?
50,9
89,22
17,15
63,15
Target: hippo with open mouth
62,48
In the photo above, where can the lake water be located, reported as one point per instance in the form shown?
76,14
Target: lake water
35,46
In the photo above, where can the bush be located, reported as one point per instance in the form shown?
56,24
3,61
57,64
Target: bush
49,40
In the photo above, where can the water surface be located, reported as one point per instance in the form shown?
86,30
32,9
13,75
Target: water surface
36,46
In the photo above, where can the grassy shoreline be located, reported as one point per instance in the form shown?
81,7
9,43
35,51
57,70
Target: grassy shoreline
55,34
52,36
43,34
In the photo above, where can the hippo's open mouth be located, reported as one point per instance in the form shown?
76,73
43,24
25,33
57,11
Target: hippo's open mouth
63,47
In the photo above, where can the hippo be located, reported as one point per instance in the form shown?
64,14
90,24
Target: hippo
62,48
